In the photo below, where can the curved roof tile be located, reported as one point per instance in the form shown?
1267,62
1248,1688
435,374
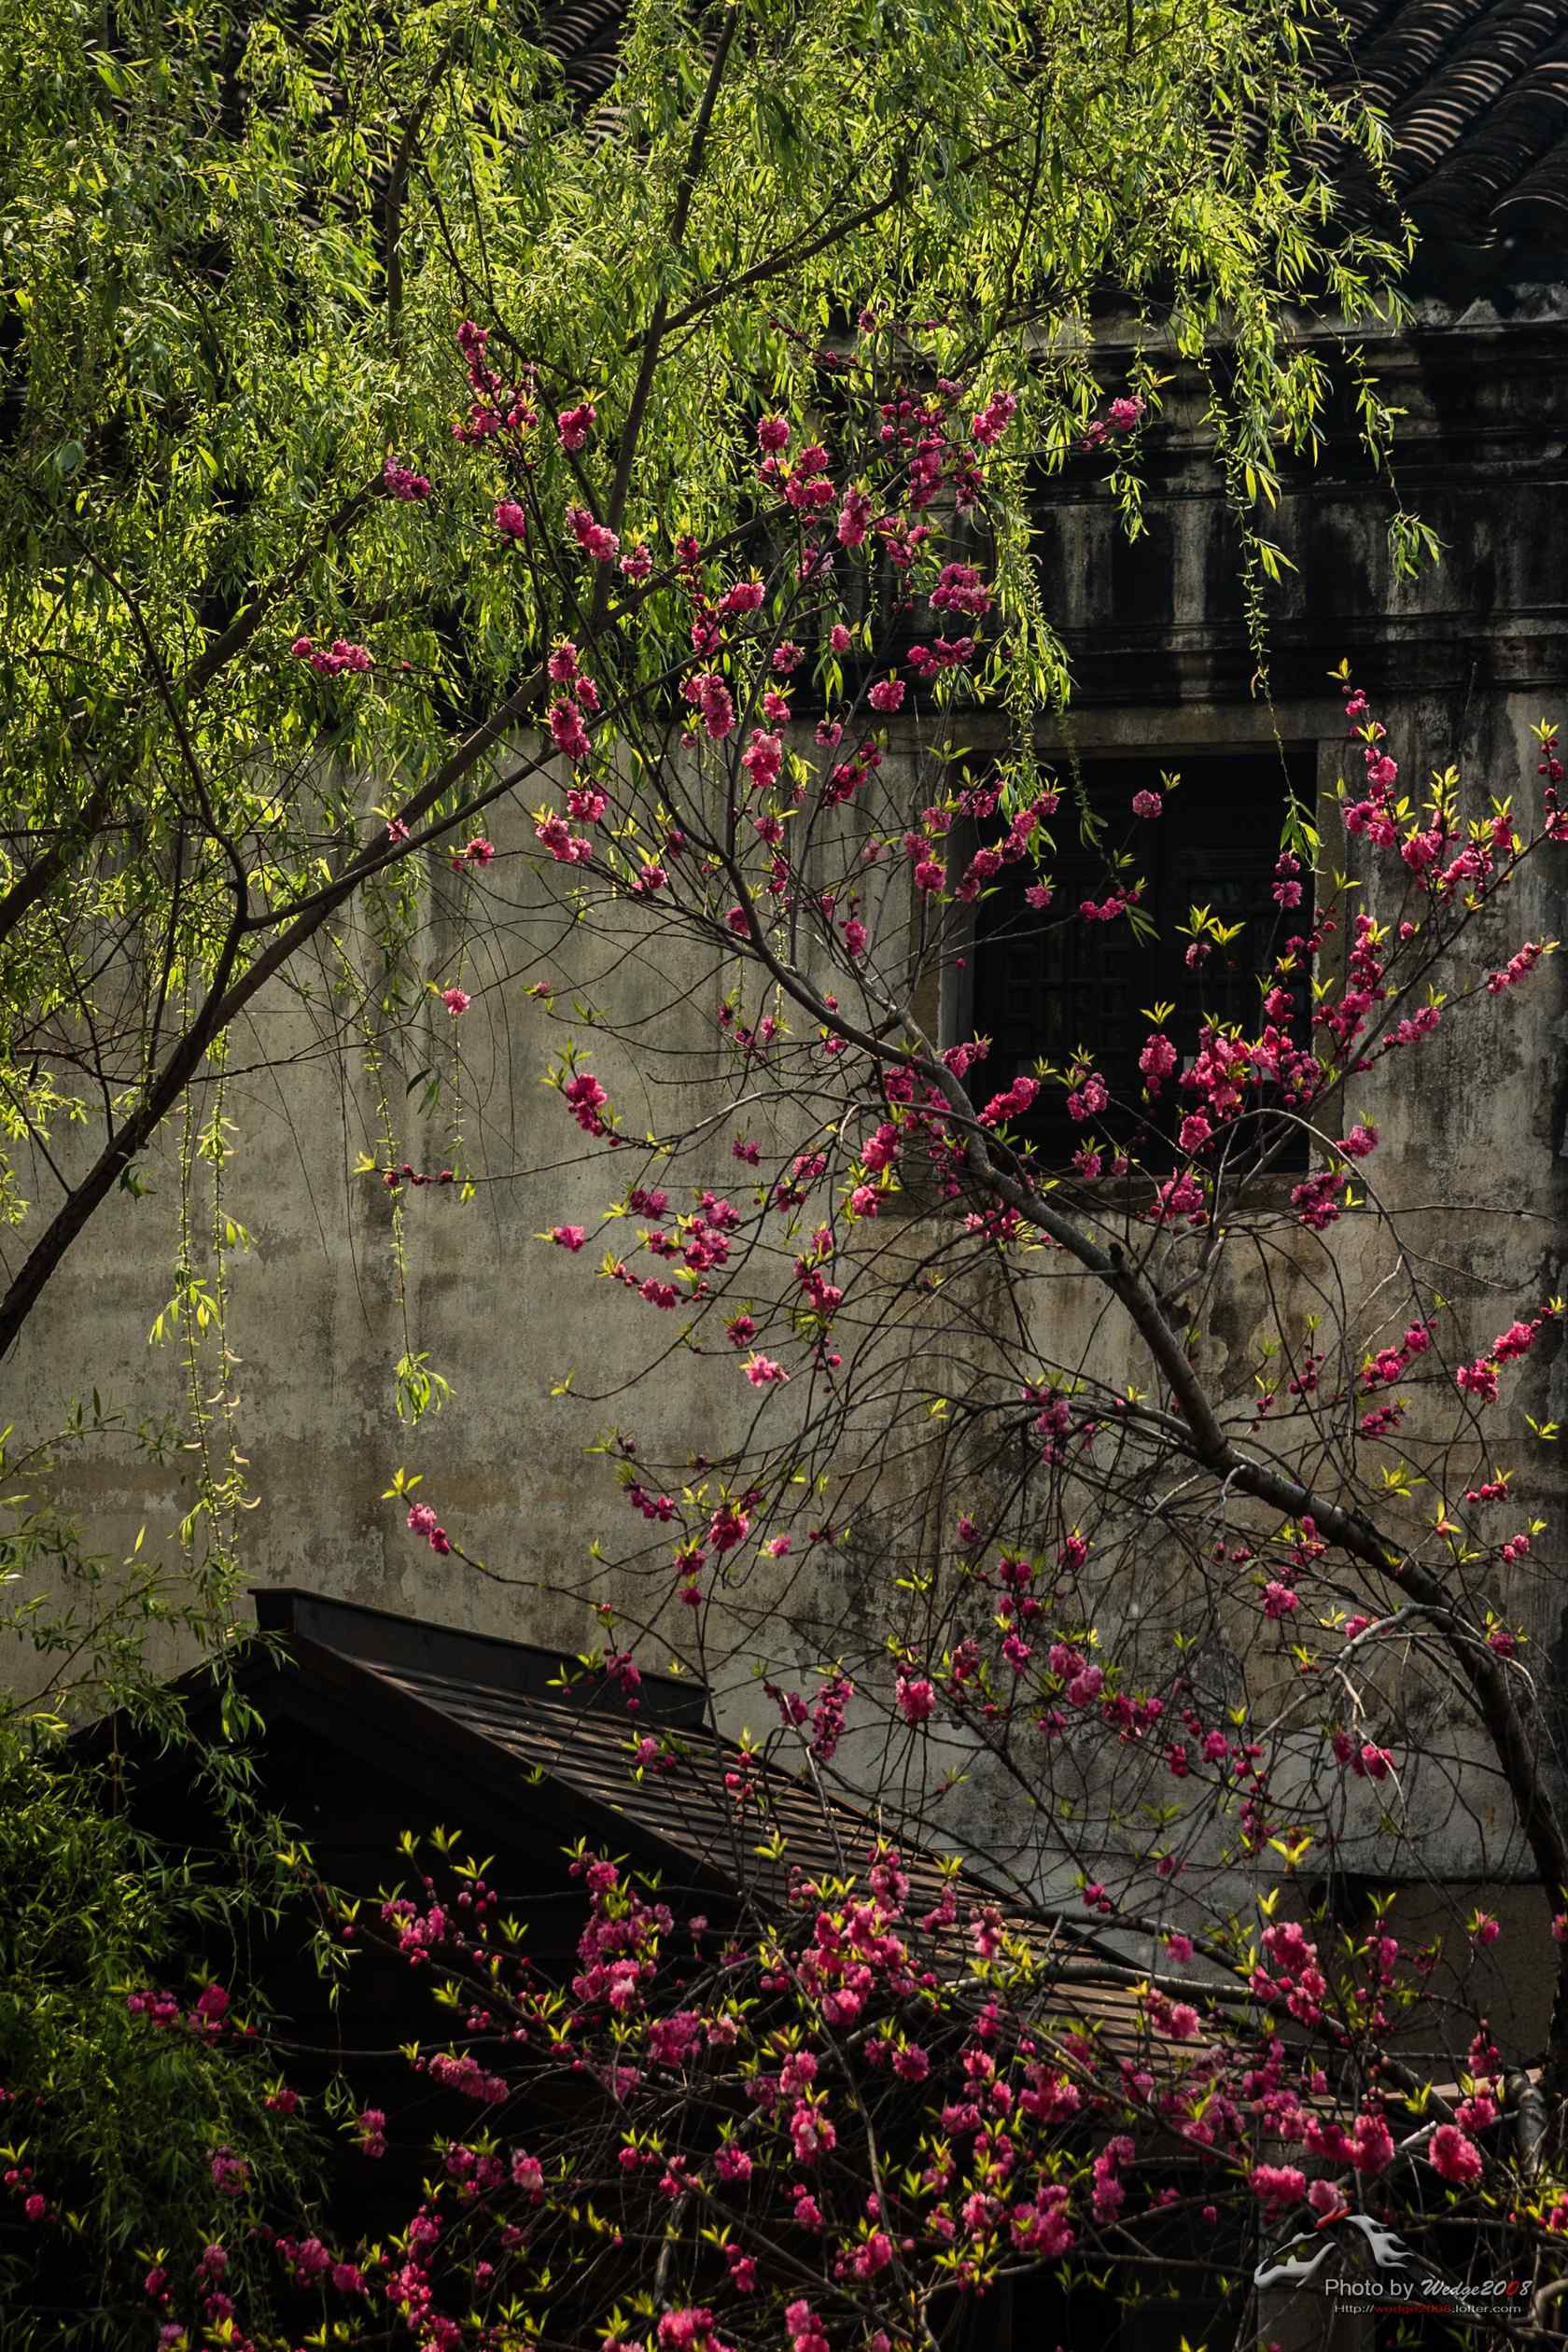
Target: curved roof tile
1475,92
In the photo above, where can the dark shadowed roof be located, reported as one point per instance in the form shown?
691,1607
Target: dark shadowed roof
528,1711
1475,92
551,1751
481,1719
511,1740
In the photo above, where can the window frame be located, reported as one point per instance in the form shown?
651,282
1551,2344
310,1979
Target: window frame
1303,757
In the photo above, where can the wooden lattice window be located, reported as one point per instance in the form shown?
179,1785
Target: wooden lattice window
1043,985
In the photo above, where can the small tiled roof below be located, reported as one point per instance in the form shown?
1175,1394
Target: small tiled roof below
550,1755
684,1821
511,1726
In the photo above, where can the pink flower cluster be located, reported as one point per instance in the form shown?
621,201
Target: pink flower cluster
713,699
594,538
494,410
916,1697
574,425
421,1521
401,481
928,661
1480,1378
587,1100
478,852
1514,969
1122,418
988,426
960,589
1012,1103
329,661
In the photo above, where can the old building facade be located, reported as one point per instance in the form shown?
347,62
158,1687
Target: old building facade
1459,661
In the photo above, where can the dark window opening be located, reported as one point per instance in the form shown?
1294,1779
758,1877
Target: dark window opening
1047,983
